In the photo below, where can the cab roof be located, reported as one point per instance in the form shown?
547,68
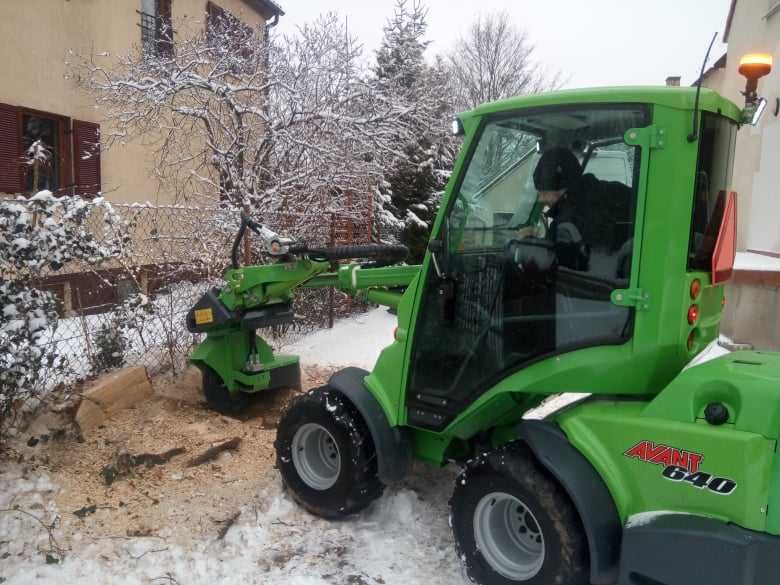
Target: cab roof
682,98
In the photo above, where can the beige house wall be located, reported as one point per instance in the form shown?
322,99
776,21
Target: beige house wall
35,39
754,29
753,308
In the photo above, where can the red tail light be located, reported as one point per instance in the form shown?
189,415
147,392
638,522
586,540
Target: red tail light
695,289
693,314
726,245
692,340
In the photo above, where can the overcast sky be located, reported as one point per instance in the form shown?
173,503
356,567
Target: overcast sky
592,42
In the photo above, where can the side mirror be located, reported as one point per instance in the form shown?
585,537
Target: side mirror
757,113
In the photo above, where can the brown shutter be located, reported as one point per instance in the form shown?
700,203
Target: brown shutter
65,157
10,149
86,156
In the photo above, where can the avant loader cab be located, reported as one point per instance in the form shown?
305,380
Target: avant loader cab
582,246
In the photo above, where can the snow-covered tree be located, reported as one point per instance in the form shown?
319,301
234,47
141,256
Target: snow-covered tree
37,234
288,123
495,60
411,188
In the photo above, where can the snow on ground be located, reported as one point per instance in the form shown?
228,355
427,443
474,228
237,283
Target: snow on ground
402,539
354,341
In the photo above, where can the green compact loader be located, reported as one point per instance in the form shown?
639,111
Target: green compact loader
582,246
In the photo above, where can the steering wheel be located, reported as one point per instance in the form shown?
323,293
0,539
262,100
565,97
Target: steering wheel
531,254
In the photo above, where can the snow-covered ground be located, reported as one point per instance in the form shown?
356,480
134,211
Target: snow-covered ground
355,341
402,539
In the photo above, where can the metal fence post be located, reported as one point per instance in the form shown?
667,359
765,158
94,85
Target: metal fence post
331,292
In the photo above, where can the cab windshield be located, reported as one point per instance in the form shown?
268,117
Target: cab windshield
498,194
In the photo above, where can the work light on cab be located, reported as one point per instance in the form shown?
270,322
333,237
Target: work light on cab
753,67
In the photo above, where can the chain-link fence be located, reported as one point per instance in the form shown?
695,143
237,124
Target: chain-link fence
131,311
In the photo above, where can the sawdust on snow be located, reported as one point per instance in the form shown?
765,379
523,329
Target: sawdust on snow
171,501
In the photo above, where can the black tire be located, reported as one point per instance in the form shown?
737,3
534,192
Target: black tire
355,484
512,470
219,398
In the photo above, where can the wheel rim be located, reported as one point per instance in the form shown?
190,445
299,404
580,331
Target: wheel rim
509,536
316,456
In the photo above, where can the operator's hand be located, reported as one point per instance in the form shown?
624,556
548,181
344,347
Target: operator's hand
538,231
532,254
525,232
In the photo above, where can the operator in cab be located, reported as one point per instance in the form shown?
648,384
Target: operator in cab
580,213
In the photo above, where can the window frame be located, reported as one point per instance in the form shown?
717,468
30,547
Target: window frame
691,258
443,231
215,14
151,26
430,279
65,153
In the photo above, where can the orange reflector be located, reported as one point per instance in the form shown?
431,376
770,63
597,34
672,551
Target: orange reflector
692,340
695,289
755,65
693,314
726,245
723,302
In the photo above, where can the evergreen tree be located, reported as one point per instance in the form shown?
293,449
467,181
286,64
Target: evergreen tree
412,185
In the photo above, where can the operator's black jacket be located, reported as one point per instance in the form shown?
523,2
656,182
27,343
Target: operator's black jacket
592,214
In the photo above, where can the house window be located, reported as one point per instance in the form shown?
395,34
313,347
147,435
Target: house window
73,148
232,40
45,133
156,27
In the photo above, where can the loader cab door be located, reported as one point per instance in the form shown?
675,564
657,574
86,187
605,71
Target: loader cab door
493,310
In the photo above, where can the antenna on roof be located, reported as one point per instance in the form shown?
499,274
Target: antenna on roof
693,136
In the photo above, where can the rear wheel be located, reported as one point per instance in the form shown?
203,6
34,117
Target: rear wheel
219,398
514,524
326,456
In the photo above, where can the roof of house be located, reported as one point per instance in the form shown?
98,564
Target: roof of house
729,20
719,64
267,6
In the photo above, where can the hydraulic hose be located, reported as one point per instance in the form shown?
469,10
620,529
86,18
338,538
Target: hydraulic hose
237,242
382,254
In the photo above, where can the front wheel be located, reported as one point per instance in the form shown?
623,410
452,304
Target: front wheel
219,398
513,524
326,456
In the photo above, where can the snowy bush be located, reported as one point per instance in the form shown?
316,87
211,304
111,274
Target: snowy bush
40,234
48,232
110,348
26,315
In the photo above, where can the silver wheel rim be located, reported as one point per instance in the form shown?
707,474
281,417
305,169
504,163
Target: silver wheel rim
316,456
508,536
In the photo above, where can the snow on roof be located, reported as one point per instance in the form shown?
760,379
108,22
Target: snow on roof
753,261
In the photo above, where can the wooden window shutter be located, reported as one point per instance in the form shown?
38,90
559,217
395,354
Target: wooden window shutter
86,155
10,149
